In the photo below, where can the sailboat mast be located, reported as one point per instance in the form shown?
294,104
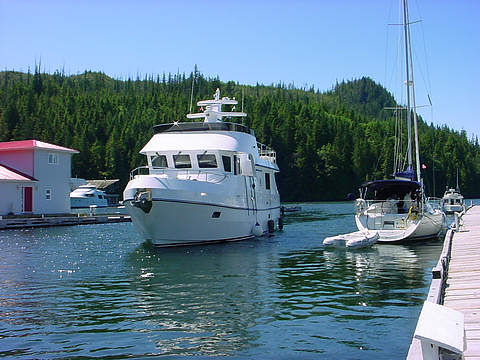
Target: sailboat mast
408,82
414,106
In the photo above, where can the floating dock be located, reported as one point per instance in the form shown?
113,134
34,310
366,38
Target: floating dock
455,293
462,290
32,222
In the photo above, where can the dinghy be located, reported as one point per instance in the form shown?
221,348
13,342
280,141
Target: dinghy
355,239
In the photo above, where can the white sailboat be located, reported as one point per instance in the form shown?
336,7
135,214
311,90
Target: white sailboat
205,181
398,208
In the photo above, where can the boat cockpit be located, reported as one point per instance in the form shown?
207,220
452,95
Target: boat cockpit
389,196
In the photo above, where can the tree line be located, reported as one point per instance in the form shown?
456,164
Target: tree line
327,143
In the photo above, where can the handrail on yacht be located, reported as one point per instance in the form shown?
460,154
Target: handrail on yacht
200,175
435,202
184,174
267,152
386,206
138,170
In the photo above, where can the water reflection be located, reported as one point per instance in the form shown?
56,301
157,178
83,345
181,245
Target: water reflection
350,293
200,300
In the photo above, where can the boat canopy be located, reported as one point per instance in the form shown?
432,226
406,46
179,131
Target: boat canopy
407,174
389,189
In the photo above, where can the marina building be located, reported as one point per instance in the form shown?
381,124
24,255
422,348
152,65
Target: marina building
34,177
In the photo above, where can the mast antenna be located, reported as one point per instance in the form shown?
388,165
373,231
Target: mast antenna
243,96
191,93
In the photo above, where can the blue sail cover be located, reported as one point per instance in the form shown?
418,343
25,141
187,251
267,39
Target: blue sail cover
407,174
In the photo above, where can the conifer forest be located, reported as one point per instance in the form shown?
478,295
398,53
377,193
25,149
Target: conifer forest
327,143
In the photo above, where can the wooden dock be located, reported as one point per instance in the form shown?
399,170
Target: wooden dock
32,222
455,286
462,291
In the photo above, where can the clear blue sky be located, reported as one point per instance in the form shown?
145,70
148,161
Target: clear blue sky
305,42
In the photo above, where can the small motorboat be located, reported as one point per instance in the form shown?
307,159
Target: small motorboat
291,209
86,196
452,201
355,239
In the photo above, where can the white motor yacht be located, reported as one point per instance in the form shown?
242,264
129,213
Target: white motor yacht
452,201
86,196
398,208
205,181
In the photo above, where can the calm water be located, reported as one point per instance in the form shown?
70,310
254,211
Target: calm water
99,291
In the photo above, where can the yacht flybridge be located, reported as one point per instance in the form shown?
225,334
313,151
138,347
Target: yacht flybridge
205,181
398,208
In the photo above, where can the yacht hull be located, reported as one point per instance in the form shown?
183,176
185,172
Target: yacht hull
181,222
79,203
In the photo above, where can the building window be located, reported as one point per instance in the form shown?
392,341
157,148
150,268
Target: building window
182,161
267,181
53,159
207,161
227,163
48,194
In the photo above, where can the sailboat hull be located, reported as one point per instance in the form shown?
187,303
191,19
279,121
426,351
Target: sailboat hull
399,228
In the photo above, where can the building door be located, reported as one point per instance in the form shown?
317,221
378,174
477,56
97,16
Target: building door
27,199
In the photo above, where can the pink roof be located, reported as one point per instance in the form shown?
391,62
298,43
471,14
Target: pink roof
33,144
8,173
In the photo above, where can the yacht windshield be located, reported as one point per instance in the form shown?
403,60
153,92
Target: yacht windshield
207,161
159,161
182,161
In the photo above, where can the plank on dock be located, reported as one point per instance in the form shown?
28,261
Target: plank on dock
463,281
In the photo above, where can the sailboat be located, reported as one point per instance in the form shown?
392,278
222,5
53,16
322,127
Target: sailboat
398,208
452,200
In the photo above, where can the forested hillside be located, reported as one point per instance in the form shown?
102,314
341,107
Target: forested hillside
327,143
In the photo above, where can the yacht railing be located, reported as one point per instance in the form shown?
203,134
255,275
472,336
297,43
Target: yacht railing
200,175
382,207
181,174
141,170
435,202
267,152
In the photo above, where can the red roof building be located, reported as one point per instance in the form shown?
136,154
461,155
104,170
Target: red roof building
34,177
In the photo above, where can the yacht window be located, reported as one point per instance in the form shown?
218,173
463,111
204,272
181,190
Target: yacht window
182,161
207,161
159,161
267,181
227,163
236,165
89,195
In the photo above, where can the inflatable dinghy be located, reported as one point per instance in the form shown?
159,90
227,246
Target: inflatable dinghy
355,239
